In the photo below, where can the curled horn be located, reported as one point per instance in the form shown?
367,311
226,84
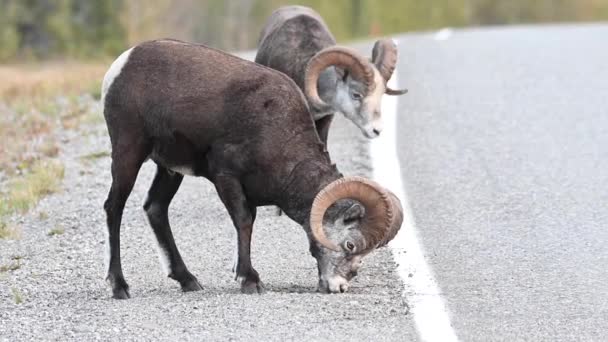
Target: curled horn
378,221
384,57
390,91
396,220
335,56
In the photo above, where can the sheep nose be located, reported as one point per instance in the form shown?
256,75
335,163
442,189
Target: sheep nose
337,284
376,131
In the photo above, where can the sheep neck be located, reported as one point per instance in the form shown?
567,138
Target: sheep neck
307,178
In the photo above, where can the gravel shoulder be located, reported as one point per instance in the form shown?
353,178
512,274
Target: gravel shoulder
64,296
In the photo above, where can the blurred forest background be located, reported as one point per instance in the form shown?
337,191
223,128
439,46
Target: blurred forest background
40,29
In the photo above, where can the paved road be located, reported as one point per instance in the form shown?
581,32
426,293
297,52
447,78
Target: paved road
503,145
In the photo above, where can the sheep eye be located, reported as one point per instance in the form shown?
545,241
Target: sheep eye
357,96
350,246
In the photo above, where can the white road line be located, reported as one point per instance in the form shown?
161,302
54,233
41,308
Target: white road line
422,292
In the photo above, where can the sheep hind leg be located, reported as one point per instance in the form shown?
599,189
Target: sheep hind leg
125,167
163,188
243,216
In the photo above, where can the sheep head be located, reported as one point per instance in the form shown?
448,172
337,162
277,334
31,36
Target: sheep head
360,84
350,218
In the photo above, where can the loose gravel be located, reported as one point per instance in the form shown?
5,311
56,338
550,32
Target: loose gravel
64,297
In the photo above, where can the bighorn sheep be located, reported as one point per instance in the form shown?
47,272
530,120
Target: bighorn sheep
247,128
297,42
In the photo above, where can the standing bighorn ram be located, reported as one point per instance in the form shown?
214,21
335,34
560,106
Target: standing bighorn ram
247,128
297,42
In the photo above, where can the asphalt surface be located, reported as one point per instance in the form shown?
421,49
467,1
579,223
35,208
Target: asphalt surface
64,297
503,145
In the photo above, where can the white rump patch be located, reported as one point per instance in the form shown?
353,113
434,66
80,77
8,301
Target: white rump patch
113,72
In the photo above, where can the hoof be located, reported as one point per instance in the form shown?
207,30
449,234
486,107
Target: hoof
120,288
191,284
121,293
252,287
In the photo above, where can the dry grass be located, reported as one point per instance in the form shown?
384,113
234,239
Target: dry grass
31,139
7,231
17,296
35,102
44,80
43,215
44,178
12,266
58,230
25,191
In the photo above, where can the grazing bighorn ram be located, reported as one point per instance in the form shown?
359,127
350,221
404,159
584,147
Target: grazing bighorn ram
297,42
247,128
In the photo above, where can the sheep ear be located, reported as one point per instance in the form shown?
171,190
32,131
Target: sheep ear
342,73
345,76
355,212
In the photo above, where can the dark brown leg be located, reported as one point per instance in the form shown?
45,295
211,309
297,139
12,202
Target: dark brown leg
126,163
243,216
163,188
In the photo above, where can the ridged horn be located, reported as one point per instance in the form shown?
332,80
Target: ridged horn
390,91
378,219
384,57
338,56
396,220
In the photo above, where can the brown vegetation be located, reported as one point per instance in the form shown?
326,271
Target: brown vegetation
35,102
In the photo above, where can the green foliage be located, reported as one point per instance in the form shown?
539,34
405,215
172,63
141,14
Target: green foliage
58,28
9,39
98,28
